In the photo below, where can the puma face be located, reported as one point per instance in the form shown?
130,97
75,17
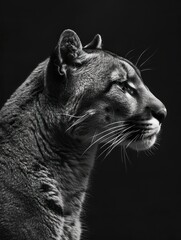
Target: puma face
105,99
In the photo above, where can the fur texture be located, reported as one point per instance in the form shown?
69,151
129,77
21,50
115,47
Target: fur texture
50,129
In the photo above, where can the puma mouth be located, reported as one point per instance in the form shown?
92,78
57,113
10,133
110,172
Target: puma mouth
147,132
137,135
145,143
146,140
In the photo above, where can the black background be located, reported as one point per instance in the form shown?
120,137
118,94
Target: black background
143,202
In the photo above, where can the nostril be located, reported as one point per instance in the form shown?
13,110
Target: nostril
160,115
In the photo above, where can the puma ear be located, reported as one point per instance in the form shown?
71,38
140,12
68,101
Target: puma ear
96,43
69,47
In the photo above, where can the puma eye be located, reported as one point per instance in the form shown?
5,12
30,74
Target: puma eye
125,87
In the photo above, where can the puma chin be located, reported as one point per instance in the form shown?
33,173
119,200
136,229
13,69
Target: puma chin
150,132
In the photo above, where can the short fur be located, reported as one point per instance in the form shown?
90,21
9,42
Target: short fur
50,129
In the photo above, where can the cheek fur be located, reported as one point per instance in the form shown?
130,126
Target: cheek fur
124,105
125,110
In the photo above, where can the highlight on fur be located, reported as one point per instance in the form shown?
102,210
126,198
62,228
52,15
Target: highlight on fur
78,99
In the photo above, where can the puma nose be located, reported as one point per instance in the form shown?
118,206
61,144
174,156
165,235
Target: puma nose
160,115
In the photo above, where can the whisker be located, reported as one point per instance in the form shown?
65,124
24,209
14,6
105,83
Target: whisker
93,137
102,137
109,129
156,145
124,158
108,141
116,123
130,51
127,157
148,58
112,139
109,148
149,152
115,130
122,134
116,143
122,153
69,115
146,69
123,138
146,152
131,58
132,141
141,56
130,134
113,133
78,121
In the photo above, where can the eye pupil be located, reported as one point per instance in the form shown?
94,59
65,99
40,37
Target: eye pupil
125,88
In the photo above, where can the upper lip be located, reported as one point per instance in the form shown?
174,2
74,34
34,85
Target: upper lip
151,131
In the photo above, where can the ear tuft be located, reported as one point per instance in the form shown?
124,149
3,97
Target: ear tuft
96,43
69,46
